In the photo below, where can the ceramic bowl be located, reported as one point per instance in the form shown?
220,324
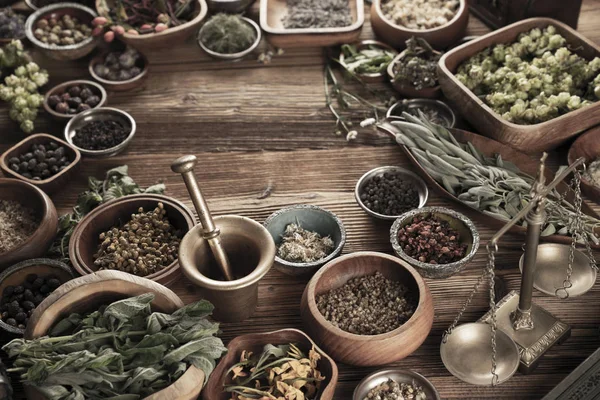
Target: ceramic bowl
84,241
457,221
232,56
408,175
42,267
60,89
372,77
56,52
407,90
587,146
439,38
33,4
34,198
376,378
48,185
367,350
445,113
101,114
312,218
255,343
120,86
149,42
229,6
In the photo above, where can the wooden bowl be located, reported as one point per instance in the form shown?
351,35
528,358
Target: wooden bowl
59,52
16,275
526,138
255,343
86,294
407,90
48,185
272,11
587,146
34,198
439,38
60,89
84,241
120,86
367,350
149,42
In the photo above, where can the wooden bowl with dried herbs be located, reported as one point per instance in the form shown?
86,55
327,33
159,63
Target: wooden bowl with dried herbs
367,309
137,234
28,221
272,354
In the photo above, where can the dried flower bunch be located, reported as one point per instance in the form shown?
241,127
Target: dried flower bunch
368,305
392,390
317,14
281,372
420,14
418,66
303,246
227,34
431,240
144,245
17,224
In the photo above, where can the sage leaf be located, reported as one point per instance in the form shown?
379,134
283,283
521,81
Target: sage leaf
550,229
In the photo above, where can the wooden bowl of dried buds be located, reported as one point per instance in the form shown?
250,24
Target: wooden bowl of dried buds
307,237
437,241
239,348
138,234
395,309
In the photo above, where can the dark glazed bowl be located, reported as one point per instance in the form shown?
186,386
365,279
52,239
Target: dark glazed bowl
311,218
34,198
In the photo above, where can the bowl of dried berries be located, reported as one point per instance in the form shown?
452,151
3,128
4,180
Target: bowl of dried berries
24,286
306,236
138,234
62,31
120,70
28,221
101,132
42,160
388,192
64,101
367,308
437,241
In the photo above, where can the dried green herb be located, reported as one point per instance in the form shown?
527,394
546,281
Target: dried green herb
303,246
117,183
278,373
227,34
122,351
317,14
418,66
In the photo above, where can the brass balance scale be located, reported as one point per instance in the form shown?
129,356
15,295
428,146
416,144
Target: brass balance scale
521,332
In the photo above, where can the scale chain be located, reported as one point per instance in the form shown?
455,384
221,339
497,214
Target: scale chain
490,272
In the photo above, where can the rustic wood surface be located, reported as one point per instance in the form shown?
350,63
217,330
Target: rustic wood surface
265,140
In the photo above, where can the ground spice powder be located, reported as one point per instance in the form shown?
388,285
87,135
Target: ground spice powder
17,224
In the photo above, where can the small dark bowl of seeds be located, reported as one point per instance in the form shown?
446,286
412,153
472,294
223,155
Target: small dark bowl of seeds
24,286
388,192
101,132
306,236
437,241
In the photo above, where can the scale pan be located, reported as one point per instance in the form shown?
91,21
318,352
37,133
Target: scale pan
551,270
467,354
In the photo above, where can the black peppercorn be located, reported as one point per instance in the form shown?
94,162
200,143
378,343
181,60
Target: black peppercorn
18,302
100,135
390,194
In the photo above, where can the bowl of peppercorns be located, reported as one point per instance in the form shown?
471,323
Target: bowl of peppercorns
62,31
73,97
101,132
24,286
388,192
42,160
437,241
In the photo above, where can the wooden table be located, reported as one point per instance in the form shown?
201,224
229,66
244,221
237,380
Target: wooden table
265,140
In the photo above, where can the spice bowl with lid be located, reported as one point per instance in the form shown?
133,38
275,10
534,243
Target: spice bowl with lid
368,349
437,241
91,232
17,196
87,132
394,181
231,56
311,219
399,376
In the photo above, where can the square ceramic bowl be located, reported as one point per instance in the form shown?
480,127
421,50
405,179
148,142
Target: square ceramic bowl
273,11
48,185
527,138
